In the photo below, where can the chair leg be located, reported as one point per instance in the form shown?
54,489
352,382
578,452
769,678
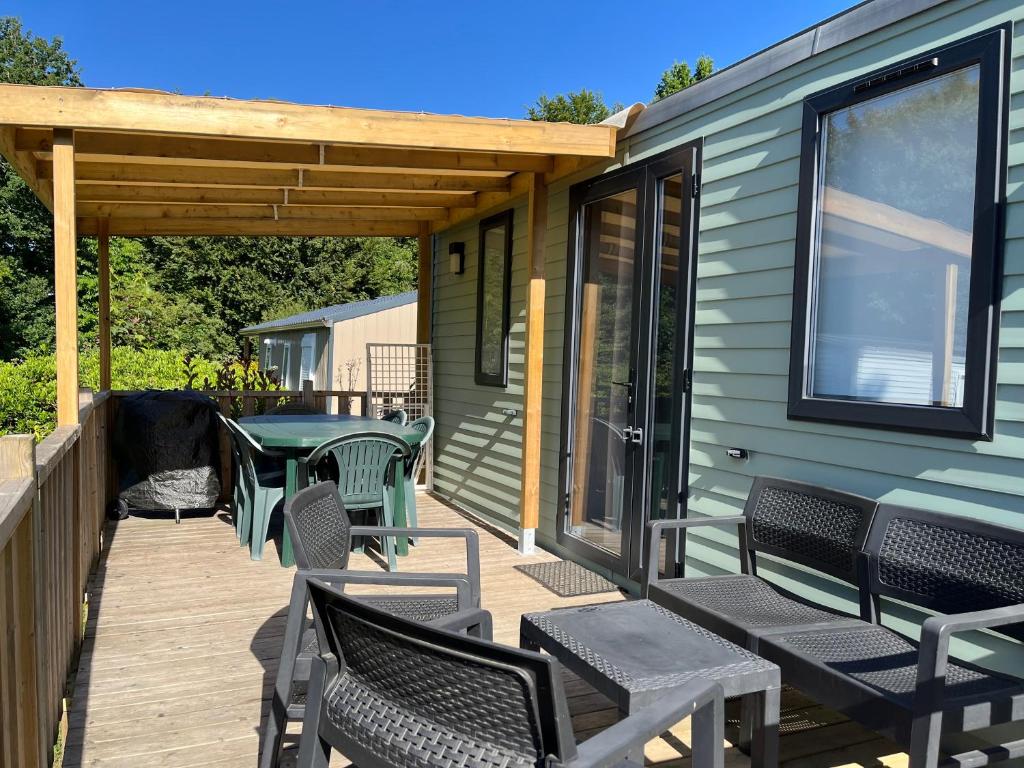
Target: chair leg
388,542
277,718
314,752
411,516
260,523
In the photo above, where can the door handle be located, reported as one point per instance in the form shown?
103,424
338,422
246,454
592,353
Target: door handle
632,435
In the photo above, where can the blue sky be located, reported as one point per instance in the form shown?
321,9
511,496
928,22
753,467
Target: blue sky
478,58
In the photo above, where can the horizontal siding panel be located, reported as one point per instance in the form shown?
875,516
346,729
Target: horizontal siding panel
747,209
743,336
742,260
774,230
769,309
766,178
773,282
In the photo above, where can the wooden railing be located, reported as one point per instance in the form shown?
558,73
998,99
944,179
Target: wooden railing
53,499
52,502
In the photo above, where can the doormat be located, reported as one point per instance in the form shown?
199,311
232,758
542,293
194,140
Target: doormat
567,579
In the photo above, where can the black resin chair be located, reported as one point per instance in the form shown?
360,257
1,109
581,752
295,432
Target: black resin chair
322,536
969,572
387,692
815,527
397,416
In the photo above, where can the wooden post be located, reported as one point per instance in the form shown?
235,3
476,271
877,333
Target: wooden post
533,386
425,286
308,399
103,267
65,276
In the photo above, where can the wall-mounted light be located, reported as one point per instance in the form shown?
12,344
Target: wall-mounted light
457,257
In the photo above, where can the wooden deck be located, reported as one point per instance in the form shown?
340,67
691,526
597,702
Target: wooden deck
184,631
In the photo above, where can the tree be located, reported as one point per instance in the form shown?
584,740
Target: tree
680,76
582,107
26,228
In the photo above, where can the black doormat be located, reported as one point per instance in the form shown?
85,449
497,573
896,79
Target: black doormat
567,579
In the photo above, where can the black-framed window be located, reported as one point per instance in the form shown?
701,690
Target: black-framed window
896,287
493,285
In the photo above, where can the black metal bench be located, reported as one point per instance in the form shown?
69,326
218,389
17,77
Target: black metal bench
969,572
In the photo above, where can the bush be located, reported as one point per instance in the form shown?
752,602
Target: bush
28,388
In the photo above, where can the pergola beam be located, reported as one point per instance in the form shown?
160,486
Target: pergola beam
253,227
133,193
533,385
266,212
122,147
129,173
65,277
99,110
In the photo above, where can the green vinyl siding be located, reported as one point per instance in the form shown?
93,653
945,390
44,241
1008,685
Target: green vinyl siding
477,449
747,231
744,295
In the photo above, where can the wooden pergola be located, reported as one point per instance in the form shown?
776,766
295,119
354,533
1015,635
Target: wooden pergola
136,163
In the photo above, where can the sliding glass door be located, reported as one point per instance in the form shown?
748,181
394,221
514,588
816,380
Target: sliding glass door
627,352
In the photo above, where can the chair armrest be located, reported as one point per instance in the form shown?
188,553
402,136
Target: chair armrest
463,589
471,537
658,526
702,697
933,654
475,621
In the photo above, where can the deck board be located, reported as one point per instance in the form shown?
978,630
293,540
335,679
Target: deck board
184,631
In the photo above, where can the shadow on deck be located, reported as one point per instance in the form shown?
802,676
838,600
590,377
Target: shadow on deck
184,633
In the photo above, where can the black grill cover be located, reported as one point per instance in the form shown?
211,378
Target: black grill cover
167,446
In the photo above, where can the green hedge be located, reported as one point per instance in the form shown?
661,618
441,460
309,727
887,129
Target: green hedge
28,388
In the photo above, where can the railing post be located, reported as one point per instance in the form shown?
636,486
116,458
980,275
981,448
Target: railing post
308,399
21,728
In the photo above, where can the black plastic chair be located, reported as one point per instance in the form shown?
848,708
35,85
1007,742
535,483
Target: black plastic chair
816,527
972,574
388,692
322,535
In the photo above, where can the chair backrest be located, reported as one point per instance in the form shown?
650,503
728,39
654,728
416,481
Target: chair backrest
424,424
364,462
293,409
816,527
245,448
397,416
319,527
412,695
945,563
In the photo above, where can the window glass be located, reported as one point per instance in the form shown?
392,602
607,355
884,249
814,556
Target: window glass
493,300
891,264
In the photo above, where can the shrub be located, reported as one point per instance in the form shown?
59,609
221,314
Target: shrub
28,388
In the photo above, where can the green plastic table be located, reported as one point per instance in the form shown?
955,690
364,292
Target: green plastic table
297,435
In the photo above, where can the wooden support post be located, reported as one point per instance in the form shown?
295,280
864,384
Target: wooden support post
65,276
424,286
103,268
308,398
533,389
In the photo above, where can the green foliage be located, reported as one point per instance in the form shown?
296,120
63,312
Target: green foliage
582,107
680,76
28,389
26,229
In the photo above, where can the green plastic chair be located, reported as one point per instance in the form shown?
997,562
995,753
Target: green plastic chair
412,470
365,468
239,490
263,479
396,417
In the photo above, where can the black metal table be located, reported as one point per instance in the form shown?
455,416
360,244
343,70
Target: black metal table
635,651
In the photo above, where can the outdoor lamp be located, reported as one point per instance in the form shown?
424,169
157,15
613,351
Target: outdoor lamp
457,257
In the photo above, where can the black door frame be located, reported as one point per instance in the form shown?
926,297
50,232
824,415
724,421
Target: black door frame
644,176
